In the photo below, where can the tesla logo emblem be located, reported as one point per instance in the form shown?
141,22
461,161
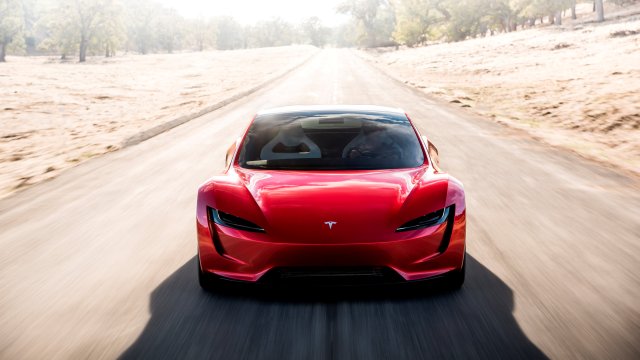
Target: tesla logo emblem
330,223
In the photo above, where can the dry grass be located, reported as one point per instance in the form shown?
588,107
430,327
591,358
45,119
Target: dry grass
577,86
55,115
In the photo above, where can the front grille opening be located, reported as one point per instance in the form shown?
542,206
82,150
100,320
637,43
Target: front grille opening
331,276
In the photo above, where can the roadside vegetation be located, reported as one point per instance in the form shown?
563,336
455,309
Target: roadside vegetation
575,85
57,115
81,28
420,22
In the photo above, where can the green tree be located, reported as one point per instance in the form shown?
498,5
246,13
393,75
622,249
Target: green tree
374,20
274,32
59,29
316,33
345,35
141,16
11,25
541,8
413,20
81,24
203,33
502,15
85,16
169,30
229,33
31,15
419,20
466,19
111,33
455,20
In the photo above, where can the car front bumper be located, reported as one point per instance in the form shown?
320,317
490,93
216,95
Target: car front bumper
255,257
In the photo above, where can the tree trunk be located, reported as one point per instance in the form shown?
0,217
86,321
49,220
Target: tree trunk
83,50
573,10
559,18
3,52
551,19
599,10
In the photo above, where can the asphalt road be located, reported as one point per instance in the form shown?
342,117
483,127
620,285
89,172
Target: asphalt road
99,263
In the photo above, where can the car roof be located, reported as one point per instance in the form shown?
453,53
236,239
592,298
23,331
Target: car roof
358,109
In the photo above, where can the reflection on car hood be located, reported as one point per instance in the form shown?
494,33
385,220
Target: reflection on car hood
299,205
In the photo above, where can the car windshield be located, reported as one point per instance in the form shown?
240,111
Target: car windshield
331,141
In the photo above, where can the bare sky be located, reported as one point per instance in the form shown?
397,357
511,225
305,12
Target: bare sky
250,11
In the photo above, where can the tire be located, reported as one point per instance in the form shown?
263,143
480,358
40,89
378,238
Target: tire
208,282
455,280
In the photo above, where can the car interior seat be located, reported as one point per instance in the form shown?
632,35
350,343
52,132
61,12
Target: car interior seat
290,143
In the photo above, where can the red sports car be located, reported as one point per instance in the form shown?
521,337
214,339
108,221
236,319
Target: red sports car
331,194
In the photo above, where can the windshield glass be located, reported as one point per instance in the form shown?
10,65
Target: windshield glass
331,141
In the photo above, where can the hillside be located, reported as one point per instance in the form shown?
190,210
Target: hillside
576,86
55,115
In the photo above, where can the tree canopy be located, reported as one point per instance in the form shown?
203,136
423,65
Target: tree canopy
11,25
414,22
104,27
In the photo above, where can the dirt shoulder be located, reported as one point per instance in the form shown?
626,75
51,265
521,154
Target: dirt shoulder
575,86
56,115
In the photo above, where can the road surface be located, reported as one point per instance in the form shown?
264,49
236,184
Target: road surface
99,262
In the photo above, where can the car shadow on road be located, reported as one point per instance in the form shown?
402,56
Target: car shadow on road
381,323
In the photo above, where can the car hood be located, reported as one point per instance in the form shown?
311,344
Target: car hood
320,207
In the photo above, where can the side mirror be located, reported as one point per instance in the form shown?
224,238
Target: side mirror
229,156
433,153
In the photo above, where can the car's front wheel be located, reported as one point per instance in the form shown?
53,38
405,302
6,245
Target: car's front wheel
207,281
455,279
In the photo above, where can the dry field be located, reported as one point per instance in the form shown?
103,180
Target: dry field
55,115
575,86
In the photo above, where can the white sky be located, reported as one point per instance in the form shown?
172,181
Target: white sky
250,11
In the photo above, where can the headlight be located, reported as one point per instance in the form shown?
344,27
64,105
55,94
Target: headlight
224,219
431,219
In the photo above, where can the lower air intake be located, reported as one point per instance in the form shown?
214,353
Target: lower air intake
332,276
